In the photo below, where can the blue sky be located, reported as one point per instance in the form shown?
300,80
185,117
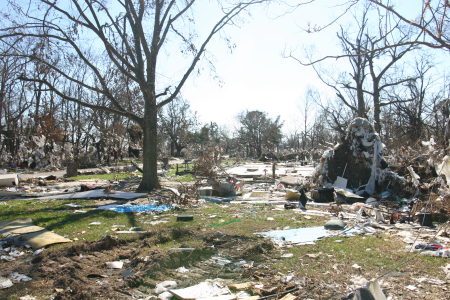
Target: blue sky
255,75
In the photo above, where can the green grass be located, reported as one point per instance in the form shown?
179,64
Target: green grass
237,220
181,167
185,178
381,258
55,216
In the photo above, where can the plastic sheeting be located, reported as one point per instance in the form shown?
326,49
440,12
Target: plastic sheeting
444,168
298,235
377,148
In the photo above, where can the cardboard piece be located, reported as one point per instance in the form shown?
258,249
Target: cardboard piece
243,286
43,238
35,236
289,297
18,226
292,195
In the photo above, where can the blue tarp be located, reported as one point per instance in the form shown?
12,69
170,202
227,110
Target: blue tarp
133,208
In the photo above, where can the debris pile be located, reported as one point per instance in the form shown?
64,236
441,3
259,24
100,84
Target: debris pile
359,158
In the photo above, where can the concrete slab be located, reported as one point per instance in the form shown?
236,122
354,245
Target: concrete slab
257,170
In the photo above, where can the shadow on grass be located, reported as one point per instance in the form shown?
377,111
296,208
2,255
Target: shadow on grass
54,215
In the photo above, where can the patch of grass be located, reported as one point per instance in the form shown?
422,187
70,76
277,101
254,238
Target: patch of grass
55,216
185,178
375,255
236,220
181,167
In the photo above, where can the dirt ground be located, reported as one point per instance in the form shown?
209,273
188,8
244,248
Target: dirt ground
79,271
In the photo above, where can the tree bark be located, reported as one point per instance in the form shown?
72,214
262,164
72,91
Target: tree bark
150,153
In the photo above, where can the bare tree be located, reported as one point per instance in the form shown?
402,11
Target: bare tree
177,120
431,23
129,35
416,100
373,52
306,107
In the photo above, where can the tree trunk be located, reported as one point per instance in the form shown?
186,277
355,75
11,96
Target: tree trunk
172,148
179,148
149,177
376,104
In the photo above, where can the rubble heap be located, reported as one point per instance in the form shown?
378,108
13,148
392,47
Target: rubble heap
359,158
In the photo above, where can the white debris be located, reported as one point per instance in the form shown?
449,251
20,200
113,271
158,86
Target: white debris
430,281
5,283
16,277
182,270
165,286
